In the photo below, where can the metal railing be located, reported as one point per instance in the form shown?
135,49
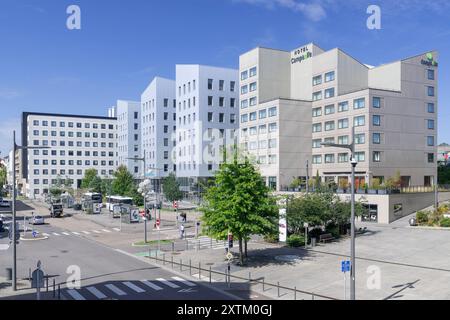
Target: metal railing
228,278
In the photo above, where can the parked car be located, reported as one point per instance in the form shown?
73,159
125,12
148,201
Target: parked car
5,204
37,220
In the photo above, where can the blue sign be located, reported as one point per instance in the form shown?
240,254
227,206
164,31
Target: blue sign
345,267
35,233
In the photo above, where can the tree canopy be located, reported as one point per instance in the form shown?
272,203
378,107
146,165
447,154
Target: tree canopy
171,188
90,175
124,185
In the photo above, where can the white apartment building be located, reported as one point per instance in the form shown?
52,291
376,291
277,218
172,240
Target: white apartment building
75,143
207,118
393,108
158,107
128,115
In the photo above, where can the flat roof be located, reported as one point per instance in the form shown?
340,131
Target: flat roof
26,114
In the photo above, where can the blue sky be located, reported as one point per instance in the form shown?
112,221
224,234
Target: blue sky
123,44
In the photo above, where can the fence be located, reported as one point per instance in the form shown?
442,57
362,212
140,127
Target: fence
228,278
188,244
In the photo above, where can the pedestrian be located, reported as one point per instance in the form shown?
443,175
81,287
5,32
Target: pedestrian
182,231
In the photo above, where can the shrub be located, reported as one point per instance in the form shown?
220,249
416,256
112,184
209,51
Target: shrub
295,241
271,238
422,217
445,223
334,230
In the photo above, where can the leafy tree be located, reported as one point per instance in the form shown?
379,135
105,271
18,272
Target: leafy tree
96,185
3,178
124,185
239,203
89,176
171,188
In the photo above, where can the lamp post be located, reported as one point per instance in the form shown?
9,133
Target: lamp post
13,205
307,176
354,163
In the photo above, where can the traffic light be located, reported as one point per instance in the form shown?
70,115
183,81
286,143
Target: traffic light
230,241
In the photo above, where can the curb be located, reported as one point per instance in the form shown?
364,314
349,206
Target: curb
34,239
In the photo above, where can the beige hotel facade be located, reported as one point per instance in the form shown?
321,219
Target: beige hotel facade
291,102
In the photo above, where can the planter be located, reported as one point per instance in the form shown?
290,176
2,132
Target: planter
361,191
371,191
382,192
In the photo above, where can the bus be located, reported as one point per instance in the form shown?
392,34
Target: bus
93,197
112,201
90,200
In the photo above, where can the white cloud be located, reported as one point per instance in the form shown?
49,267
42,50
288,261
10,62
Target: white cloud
312,10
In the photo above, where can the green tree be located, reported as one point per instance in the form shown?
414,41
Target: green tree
89,176
3,178
171,188
124,185
239,203
96,185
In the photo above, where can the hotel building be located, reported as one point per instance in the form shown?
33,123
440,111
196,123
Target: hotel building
207,119
310,96
75,143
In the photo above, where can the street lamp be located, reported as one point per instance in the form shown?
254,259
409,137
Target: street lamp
354,163
13,204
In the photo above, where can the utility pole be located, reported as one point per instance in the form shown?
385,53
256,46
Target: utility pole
307,176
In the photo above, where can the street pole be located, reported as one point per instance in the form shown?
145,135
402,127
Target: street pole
353,259
13,205
436,194
307,176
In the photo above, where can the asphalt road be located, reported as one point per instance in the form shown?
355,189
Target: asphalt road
106,273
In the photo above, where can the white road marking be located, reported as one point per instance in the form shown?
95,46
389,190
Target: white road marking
151,285
75,294
116,290
107,231
76,233
46,235
188,283
116,229
167,283
133,287
66,234
96,293
96,231
56,234
85,232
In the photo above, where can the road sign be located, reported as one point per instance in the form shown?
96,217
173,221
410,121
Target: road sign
158,223
345,266
229,256
230,241
37,274
175,205
35,233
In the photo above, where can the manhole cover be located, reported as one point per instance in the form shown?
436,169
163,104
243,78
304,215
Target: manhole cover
288,258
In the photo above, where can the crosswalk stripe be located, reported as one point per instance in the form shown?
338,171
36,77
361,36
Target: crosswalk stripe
116,290
56,234
66,234
133,287
96,231
188,283
116,229
107,231
96,293
75,294
85,232
46,235
167,283
151,285
76,233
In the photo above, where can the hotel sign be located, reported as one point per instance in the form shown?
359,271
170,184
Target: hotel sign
301,55
429,61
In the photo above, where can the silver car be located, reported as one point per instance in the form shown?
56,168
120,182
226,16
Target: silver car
37,220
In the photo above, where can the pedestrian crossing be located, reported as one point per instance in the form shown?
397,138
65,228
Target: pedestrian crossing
204,242
79,233
127,289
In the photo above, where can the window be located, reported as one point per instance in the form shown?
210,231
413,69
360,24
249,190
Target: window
376,156
273,127
343,140
273,112
221,101
360,138
317,127
262,160
253,116
221,117
244,89
317,80
221,85
253,72
272,159
35,122
343,157
232,86
272,143
252,86
329,109
330,76
316,112
244,75
244,118
430,107
232,118
376,138
359,121
317,160
376,102
253,101
210,84
316,143
210,117
328,140
343,124
329,93
262,129
262,114
253,131
343,106
329,158
253,145
360,156
430,74
430,158
317,96
431,91
430,124
232,102
329,125
376,120
430,141
244,104
210,101
262,144
359,103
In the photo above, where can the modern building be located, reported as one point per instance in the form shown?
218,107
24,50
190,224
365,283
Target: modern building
207,119
393,108
128,115
158,105
75,143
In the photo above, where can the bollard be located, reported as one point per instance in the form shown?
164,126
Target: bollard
313,296
172,262
250,276
173,246
54,289
199,270
29,274
181,265
59,292
295,293
210,280
226,275
278,286
264,287
164,259
211,242
190,267
46,280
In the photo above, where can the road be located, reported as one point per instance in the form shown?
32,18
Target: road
106,272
